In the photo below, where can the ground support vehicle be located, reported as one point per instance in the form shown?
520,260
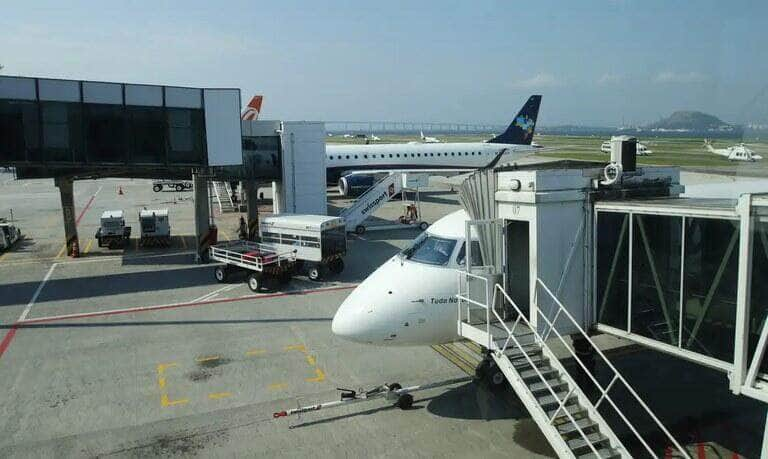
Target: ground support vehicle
265,266
113,233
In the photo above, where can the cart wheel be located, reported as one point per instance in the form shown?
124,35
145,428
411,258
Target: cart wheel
336,266
394,386
423,226
314,273
221,273
254,282
284,277
404,401
179,187
157,188
360,229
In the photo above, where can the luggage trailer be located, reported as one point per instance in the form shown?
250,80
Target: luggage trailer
291,244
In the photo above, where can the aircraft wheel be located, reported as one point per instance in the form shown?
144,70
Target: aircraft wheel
254,282
423,226
179,187
157,188
360,229
221,274
496,379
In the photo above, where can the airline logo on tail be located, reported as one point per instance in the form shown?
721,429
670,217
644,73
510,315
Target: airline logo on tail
251,112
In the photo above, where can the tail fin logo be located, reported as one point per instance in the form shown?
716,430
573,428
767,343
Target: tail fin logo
253,109
525,123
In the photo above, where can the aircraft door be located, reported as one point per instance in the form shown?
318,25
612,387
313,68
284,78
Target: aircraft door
517,261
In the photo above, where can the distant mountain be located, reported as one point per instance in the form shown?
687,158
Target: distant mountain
690,121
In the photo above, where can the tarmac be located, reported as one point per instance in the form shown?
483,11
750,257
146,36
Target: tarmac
140,352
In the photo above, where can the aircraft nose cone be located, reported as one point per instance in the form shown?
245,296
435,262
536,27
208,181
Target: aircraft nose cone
343,324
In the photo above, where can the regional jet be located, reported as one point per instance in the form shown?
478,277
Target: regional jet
355,163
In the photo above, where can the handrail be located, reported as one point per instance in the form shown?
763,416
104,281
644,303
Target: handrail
617,376
511,336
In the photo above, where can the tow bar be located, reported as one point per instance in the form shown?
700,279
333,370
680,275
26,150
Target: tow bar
394,392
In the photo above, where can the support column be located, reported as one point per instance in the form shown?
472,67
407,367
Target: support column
65,186
764,452
252,199
205,230
277,198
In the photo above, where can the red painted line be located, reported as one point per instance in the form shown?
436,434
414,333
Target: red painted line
702,452
162,307
7,340
85,209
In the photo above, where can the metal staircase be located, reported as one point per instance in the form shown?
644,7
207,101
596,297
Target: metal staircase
569,419
222,195
367,203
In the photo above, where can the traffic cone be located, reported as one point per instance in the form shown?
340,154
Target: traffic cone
120,190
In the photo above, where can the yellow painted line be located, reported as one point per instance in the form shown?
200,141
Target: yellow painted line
320,376
61,252
88,247
161,382
295,347
218,395
207,359
165,401
311,360
162,366
253,352
277,386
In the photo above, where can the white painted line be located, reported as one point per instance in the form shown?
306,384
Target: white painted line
37,293
214,293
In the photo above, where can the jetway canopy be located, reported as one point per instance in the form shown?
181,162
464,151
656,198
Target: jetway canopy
49,124
687,276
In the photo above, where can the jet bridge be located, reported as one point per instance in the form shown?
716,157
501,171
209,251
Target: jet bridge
578,249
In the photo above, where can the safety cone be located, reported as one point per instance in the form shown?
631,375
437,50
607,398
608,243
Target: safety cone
120,190
75,249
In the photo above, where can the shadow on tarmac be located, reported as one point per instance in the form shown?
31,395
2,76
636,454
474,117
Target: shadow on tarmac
68,324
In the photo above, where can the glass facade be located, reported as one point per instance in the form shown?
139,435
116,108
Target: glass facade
81,122
683,279
758,310
612,275
656,249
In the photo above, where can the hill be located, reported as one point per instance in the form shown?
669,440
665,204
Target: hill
691,121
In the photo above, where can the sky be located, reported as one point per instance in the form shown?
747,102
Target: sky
595,62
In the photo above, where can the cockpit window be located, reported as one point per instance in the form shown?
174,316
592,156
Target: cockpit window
477,256
431,250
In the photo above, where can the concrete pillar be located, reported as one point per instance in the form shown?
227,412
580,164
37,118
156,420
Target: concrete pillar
205,231
65,186
277,198
251,193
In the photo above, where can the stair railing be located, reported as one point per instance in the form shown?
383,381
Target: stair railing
492,346
617,377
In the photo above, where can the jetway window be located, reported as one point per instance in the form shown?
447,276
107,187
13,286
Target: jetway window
62,137
186,134
656,248
612,275
18,129
105,133
709,286
148,134
261,156
759,291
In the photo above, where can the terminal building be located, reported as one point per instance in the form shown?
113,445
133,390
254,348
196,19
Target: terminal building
70,129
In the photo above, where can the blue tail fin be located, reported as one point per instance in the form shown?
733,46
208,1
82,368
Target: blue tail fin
520,132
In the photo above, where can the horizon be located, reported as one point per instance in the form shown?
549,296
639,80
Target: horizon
599,63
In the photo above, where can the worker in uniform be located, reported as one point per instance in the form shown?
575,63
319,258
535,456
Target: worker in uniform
242,230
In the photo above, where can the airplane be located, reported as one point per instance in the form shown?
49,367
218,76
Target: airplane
426,139
410,300
357,163
738,152
253,109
